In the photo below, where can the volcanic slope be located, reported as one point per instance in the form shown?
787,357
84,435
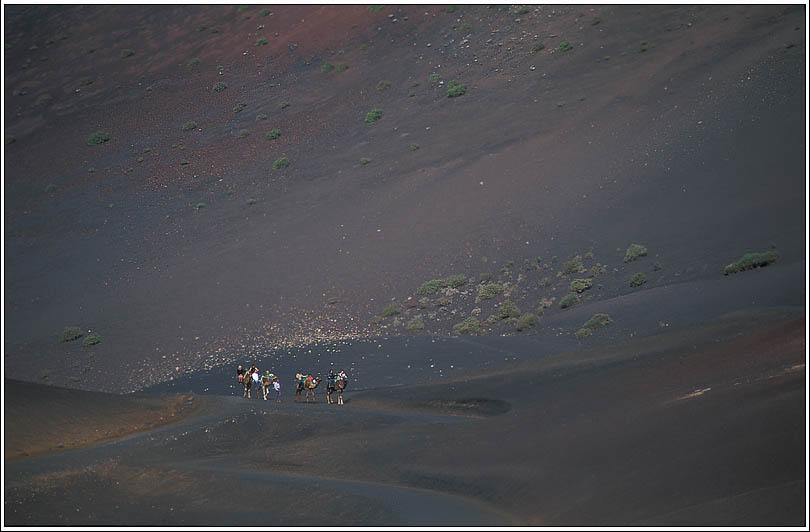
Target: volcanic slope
192,237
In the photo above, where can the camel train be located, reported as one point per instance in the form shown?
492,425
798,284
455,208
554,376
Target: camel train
336,383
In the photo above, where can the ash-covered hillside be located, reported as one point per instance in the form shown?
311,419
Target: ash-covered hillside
191,185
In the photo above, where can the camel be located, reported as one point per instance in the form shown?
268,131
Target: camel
247,382
299,384
267,385
309,385
339,386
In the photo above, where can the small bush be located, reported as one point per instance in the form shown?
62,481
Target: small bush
239,107
536,47
383,85
391,310
200,205
470,325
242,133
522,11
573,266
454,281
564,46
69,334
251,201
431,287
580,285
50,189
188,126
327,67
414,146
43,100
415,324
638,280
283,105
443,301
364,160
92,339
280,163
219,86
264,12
184,162
750,261
261,116
126,52
484,277
634,251
507,309
451,9
99,137
527,321
373,115
273,134
597,321
583,333
465,27
568,300
193,62
435,77
456,89
374,8
488,291
261,41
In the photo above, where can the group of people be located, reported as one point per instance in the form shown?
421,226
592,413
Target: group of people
264,381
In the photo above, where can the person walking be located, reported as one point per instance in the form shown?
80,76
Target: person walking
277,388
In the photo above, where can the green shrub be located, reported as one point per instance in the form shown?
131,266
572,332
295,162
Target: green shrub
634,251
488,291
50,189
527,321
573,266
597,269
383,85
638,280
242,8
564,46
92,339
580,285
273,134
261,41
364,160
456,89
374,8
568,300
391,310
282,162
522,11
99,137
376,320
752,260
184,162
200,205
126,52
70,333
414,146
451,9
373,115
193,62
251,201
327,67
484,277
9,139
283,105
583,333
242,133
364,47
415,324
239,107
465,27
332,300
431,287
468,326
443,301
536,47
454,281
435,77
264,12
507,309
43,100
597,321
188,126
219,86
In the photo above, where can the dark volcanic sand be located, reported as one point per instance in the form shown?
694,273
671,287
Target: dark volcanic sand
697,427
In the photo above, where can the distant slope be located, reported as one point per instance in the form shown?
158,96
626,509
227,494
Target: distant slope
677,127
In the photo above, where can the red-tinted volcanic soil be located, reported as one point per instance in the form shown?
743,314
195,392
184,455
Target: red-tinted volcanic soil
184,246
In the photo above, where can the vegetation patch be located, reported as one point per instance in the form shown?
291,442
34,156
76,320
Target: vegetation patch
568,300
200,205
69,334
750,261
564,46
126,52
242,133
43,100
327,67
527,321
451,9
188,126
92,339
415,324
507,309
219,86
488,291
50,189
431,287
454,281
414,146
373,115
573,266
239,107
193,62
456,89
280,163
99,137
382,85
341,67
374,8
364,160
273,134
597,321
465,27
261,41
536,47
435,77
637,280
391,310
634,251
580,285
470,325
